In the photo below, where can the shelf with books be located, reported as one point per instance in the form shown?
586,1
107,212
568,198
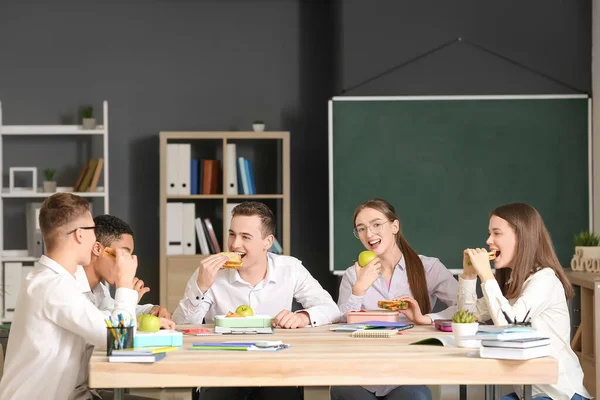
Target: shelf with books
27,151
183,181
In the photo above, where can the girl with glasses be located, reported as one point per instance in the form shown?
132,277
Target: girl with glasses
397,272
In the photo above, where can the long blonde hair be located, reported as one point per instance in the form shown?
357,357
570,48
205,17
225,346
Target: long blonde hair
414,266
534,250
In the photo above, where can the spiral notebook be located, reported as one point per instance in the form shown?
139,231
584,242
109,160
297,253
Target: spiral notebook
374,333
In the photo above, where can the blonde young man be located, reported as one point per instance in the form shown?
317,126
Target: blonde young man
116,234
268,283
53,321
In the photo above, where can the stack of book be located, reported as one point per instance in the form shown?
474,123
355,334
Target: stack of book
512,343
140,355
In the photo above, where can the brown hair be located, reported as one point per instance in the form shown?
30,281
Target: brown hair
414,266
533,250
252,208
58,210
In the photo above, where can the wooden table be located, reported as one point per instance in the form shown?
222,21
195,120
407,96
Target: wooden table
319,357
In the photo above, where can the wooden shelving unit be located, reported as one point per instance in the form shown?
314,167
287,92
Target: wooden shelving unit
269,151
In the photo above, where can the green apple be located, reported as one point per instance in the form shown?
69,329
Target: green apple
244,310
148,323
366,257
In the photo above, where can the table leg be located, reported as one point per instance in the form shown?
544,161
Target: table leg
119,394
526,392
462,392
489,392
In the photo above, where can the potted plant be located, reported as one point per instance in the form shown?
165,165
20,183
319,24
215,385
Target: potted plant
258,126
464,323
587,252
87,117
49,182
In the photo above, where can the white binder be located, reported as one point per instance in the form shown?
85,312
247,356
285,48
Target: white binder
184,168
189,228
172,169
12,285
232,176
174,230
35,243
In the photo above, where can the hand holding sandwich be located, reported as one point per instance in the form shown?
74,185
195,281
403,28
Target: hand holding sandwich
365,276
480,260
413,311
207,272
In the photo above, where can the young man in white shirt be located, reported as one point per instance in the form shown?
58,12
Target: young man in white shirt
267,282
116,234
53,322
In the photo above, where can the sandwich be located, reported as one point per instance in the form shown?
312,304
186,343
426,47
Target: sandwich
491,256
234,315
110,252
235,260
392,305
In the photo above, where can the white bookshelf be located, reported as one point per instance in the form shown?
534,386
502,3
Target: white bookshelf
20,255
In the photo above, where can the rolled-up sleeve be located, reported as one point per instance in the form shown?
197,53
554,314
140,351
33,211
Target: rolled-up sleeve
315,300
194,305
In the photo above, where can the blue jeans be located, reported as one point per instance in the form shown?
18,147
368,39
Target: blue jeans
406,392
513,396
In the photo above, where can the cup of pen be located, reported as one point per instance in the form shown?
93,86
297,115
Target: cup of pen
118,338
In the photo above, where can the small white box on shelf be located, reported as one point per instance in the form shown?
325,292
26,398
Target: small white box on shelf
21,189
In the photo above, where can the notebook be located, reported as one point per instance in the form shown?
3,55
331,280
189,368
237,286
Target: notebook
148,358
515,354
374,333
445,340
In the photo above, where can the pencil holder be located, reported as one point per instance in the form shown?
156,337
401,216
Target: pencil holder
118,338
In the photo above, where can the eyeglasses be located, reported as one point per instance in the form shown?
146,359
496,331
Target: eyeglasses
376,228
81,227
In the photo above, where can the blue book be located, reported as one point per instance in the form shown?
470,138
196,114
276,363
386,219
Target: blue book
194,177
250,177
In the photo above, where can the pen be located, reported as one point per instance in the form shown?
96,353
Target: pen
510,321
109,324
526,315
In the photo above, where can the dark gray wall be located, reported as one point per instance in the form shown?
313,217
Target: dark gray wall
552,37
172,65
202,65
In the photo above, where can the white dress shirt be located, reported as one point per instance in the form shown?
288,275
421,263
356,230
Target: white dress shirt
101,298
286,279
51,326
544,299
441,285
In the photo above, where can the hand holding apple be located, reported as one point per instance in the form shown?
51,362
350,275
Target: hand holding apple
413,311
365,276
365,257
208,269
290,320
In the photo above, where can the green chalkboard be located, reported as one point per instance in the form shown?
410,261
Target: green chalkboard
446,163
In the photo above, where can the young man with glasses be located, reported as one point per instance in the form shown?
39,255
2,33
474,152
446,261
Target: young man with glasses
53,322
267,282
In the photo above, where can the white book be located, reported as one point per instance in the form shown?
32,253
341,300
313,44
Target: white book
184,169
189,227
201,237
174,231
506,353
232,177
172,169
